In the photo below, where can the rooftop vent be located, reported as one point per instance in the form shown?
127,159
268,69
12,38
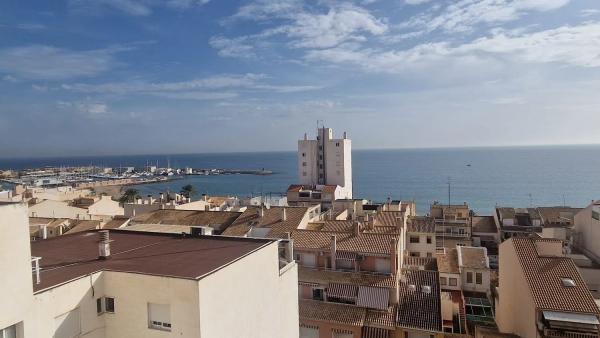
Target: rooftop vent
412,288
426,289
567,282
104,244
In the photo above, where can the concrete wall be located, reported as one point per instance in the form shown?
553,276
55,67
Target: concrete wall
16,291
587,232
515,309
473,286
422,247
249,298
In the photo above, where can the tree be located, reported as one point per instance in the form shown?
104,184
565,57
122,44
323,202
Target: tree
129,195
188,191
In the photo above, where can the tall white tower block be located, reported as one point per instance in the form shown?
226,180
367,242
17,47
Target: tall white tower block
326,161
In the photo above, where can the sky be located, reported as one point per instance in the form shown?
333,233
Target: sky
94,77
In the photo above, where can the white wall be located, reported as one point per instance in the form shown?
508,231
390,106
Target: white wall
16,291
587,232
106,207
257,301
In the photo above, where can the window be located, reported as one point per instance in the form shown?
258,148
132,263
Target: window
303,154
415,254
105,304
429,254
428,239
109,304
337,333
453,282
478,278
68,324
159,316
382,265
9,332
298,258
337,144
318,294
414,239
304,164
443,281
469,277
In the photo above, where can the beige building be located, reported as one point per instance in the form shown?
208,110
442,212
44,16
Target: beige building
420,237
541,293
131,284
586,230
57,209
105,208
452,224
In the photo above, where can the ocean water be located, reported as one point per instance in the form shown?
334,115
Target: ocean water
511,176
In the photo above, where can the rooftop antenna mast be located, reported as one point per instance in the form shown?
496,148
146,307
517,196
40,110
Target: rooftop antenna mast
530,200
449,191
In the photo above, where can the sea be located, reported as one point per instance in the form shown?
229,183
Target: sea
482,177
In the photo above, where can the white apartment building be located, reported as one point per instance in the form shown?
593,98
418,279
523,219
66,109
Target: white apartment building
98,284
326,161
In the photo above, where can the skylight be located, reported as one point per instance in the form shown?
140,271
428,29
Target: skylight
567,282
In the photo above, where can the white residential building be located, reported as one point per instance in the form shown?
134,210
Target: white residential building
326,161
120,283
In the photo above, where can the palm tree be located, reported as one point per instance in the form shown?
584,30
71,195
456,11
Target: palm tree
129,195
188,191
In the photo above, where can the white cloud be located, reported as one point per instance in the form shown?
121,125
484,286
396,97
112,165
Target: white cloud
589,12
232,47
209,88
338,25
463,15
31,26
10,78
570,45
416,2
130,7
52,63
85,108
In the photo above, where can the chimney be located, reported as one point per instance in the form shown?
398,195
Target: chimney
43,231
283,214
333,248
356,228
104,245
393,256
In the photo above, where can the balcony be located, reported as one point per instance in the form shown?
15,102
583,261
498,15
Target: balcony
550,333
452,233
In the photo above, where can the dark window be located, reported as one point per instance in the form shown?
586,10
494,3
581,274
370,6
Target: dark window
337,144
428,239
99,305
469,277
414,239
453,282
478,278
443,280
318,294
109,304
303,154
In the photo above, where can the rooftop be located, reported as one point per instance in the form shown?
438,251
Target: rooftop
389,219
448,262
74,256
420,224
485,224
332,312
216,219
367,243
472,257
419,308
271,219
340,277
84,225
545,275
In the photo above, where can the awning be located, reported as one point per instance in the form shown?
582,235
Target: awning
373,297
345,291
571,317
375,332
345,255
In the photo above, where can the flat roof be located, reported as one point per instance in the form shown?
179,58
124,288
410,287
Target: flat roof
70,257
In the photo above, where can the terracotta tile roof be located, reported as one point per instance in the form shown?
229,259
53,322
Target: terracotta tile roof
473,257
418,309
543,275
485,224
382,319
346,226
161,228
385,230
426,263
218,220
366,243
69,257
84,226
272,219
40,220
115,223
448,262
420,224
389,218
331,312
309,275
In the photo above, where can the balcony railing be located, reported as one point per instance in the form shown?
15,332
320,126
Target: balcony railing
441,232
549,333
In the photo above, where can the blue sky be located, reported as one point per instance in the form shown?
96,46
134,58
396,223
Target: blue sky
84,77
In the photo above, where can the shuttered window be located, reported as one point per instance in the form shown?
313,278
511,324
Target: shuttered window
159,316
